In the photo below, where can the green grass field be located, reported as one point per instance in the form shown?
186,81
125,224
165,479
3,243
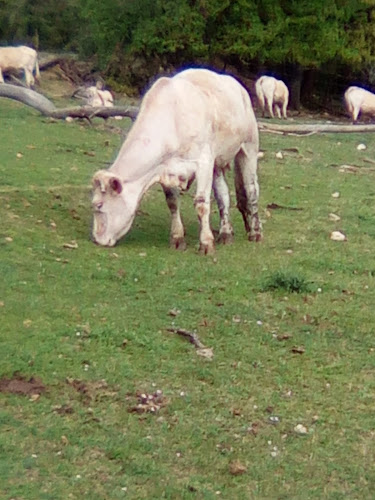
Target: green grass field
284,410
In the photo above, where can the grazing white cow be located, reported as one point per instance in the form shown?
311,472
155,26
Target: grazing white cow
21,57
359,101
272,93
189,127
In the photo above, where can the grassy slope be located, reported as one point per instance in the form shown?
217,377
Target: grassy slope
66,313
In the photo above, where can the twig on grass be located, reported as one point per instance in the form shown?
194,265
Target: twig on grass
192,337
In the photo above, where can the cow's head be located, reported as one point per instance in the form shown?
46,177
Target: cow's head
114,205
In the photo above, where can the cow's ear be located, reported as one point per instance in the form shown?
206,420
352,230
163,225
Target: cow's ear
115,184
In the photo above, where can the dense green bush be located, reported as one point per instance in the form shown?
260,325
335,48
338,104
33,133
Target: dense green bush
130,40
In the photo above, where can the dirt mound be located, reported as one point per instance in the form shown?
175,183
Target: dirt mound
19,384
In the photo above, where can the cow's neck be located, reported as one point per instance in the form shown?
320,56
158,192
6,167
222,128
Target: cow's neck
140,156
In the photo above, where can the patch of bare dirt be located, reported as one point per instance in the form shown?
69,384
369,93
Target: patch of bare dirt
19,384
93,390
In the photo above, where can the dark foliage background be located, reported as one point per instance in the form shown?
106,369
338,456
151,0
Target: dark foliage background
317,46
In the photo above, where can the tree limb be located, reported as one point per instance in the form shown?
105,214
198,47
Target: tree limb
28,97
47,108
313,128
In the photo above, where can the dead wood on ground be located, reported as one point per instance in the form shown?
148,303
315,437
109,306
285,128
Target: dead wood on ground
47,108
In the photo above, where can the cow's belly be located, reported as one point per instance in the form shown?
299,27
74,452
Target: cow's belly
178,173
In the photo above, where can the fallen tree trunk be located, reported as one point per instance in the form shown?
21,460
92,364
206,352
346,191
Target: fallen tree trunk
90,112
28,97
47,108
313,128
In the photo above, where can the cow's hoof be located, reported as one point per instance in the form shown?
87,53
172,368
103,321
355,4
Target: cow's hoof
178,244
225,238
255,237
207,249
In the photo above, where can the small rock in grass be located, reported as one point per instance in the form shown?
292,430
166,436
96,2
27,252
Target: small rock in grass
333,217
361,147
236,468
274,419
338,236
300,429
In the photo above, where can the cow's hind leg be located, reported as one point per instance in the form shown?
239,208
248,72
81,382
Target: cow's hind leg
222,197
269,102
247,190
284,109
177,236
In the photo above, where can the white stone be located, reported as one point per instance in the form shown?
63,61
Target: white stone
300,429
338,236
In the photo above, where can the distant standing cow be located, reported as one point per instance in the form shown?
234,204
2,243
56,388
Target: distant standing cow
359,101
17,58
273,94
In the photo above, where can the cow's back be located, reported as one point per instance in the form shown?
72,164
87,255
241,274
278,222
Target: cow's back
357,96
227,103
17,57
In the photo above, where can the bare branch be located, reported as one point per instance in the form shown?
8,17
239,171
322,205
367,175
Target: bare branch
47,108
313,128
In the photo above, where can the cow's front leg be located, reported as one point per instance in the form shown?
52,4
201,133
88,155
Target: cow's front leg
247,190
204,177
222,197
177,236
